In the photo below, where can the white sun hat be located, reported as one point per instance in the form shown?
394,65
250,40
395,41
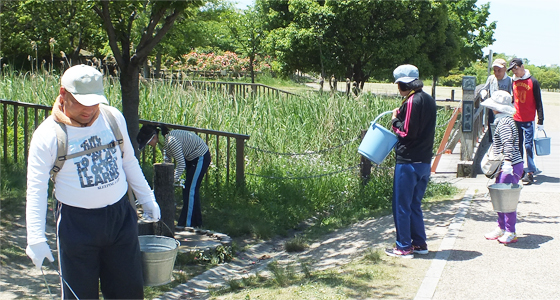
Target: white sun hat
500,101
85,83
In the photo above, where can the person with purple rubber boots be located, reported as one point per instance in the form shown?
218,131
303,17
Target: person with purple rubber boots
505,141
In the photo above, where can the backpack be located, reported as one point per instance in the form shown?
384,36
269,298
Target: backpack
62,146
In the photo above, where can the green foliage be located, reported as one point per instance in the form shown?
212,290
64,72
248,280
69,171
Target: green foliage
281,190
373,255
548,76
38,32
282,275
360,39
451,80
297,244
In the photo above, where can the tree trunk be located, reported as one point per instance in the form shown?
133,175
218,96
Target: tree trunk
251,61
129,79
158,66
434,83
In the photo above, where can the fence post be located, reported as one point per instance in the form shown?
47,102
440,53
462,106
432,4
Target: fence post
240,161
15,133
5,132
165,197
365,165
465,167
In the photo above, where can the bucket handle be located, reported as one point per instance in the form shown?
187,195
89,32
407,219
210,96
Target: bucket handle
515,174
382,114
537,135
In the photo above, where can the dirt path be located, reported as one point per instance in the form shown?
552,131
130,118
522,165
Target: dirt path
19,278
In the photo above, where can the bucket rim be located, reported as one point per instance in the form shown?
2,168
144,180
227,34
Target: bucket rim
144,236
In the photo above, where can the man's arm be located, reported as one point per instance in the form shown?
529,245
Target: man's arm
42,153
538,101
134,175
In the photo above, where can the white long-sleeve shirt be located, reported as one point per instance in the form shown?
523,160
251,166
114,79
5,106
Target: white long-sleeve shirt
90,181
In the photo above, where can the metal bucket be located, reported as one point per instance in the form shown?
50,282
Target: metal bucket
158,258
505,196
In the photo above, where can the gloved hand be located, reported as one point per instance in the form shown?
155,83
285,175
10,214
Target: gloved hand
151,211
540,127
38,252
483,94
180,183
507,169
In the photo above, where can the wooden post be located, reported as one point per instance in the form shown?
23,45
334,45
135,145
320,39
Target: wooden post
240,162
365,165
5,132
467,122
165,197
15,134
467,127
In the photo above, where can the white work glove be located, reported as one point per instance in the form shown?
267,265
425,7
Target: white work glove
38,252
151,211
180,183
540,127
507,169
483,94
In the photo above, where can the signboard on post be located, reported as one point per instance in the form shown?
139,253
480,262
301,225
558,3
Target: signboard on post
467,118
469,85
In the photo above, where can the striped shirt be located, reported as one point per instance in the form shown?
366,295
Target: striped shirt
183,146
506,139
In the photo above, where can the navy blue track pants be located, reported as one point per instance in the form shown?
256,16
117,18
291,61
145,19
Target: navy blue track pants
191,213
100,246
409,184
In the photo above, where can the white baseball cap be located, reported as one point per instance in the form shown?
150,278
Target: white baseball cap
85,83
406,73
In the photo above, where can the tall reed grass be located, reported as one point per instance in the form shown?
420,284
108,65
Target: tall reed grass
302,158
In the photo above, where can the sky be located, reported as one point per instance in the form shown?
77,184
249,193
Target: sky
527,29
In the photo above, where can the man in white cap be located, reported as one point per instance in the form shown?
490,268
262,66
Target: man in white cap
414,122
96,226
500,81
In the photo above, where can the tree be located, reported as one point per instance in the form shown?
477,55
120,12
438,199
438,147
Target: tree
44,29
248,34
362,38
131,51
205,29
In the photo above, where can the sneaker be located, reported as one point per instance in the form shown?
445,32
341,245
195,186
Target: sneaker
537,172
399,253
508,238
420,249
528,178
179,228
494,234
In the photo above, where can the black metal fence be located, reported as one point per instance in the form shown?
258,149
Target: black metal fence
19,121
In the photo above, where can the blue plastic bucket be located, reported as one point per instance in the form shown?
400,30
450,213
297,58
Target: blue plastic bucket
377,142
542,144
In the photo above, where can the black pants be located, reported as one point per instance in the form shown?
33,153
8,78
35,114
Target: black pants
191,214
100,246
